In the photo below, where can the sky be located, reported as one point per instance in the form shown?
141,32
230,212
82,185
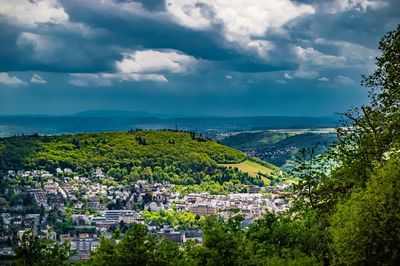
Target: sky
189,57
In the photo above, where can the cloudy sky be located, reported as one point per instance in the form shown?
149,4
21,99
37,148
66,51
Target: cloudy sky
192,57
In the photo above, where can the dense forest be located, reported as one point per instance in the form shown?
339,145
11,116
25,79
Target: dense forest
178,157
91,150
349,215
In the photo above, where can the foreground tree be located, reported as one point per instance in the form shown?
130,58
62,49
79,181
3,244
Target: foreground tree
137,247
32,250
366,229
373,130
365,224
282,239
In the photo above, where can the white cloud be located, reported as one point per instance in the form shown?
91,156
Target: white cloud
228,77
338,6
244,22
6,79
78,82
345,81
86,80
311,61
38,79
146,65
323,79
30,14
354,55
136,77
260,47
152,61
33,12
45,49
281,81
312,57
288,76
347,55
106,79
306,73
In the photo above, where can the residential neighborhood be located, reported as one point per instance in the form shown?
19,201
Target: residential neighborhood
79,210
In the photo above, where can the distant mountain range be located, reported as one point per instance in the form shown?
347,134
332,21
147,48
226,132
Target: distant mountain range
117,120
113,113
125,113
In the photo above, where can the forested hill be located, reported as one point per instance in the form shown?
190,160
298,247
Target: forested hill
179,157
145,148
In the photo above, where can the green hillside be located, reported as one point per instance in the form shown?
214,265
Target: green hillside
255,139
254,169
179,157
279,148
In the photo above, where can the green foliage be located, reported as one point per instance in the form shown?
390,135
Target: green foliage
109,149
14,151
250,140
212,187
281,236
348,215
279,148
273,240
185,220
34,251
126,156
222,242
136,248
308,170
373,130
356,201
366,228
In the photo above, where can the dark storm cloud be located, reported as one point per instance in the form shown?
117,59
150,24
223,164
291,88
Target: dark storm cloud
152,5
9,58
110,33
153,30
61,51
312,62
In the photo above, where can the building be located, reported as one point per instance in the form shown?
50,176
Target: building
195,235
171,235
41,198
203,209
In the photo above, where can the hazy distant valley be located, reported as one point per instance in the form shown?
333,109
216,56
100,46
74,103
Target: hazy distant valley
271,138
279,147
102,121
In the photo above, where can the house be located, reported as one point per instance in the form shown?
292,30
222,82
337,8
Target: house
254,189
41,198
11,173
67,170
154,207
94,245
152,226
80,219
6,251
171,235
279,204
203,209
51,235
66,238
195,235
245,223
6,218
99,173
17,220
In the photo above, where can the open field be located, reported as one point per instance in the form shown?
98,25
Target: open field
252,168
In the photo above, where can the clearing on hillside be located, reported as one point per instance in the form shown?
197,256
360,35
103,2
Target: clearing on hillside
253,168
